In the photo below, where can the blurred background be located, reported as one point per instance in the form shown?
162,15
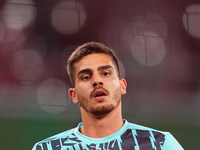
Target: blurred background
156,41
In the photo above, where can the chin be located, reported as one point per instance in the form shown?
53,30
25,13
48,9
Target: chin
101,111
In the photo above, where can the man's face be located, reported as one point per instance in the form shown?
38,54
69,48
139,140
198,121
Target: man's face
97,85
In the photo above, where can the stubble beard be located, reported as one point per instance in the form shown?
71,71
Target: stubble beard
101,110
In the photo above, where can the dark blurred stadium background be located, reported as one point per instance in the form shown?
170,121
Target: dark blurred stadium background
157,42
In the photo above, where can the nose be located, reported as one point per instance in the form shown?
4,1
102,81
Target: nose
97,83
97,79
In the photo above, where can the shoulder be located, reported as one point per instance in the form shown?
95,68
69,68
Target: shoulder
142,132
52,139
144,128
159,138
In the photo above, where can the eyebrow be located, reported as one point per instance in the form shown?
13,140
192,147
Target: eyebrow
104,67
87,70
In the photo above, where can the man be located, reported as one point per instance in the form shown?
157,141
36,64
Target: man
97,87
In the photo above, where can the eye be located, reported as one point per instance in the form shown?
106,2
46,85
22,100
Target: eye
85,77
106,73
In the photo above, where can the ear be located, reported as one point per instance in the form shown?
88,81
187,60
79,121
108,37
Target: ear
72,94
123,86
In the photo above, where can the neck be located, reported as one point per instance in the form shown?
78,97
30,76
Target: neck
101,127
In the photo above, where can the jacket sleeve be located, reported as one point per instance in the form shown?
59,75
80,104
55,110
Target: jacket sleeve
37,146
34,147
171,143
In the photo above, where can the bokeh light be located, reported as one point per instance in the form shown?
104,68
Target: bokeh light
148,49
51,95
27,65
153,22
68,17
191,20
18,14
148,22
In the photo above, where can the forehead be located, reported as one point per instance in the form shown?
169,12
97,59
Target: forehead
93,61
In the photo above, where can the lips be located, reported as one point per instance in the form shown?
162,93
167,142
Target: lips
99,93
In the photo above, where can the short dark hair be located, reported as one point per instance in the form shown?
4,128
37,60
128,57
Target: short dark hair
87,49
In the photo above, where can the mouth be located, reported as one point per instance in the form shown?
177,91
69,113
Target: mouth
99,94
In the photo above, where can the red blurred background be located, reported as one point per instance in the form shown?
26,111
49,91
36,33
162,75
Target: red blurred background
156,41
